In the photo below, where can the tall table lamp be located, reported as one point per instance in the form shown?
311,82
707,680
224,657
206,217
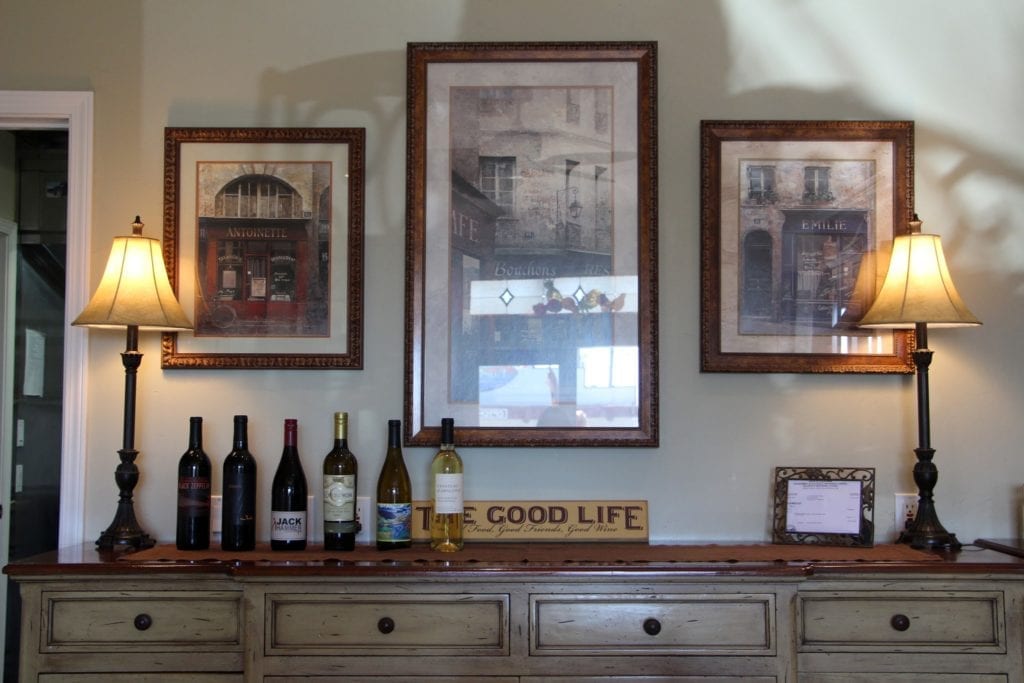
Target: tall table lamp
134,294
918,292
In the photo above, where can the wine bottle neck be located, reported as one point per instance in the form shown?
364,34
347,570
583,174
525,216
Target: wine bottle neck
195,433
291,429
241,436
394,435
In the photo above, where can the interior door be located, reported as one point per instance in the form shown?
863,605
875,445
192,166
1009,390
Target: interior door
8,242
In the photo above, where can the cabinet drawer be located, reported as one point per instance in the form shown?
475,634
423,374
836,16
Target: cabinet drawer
396,625
152,621
920,621
658,624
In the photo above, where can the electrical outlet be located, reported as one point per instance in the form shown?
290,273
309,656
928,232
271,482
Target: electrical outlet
365,518
216,503
906,510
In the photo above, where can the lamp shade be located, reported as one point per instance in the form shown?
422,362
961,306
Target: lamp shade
918,288
134,289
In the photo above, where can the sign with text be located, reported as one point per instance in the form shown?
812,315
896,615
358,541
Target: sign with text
545,520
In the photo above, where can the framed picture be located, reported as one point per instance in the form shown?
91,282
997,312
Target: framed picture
531,261
797,223
824,505
263,238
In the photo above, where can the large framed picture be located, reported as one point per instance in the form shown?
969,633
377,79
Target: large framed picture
797,222
263,238
531,262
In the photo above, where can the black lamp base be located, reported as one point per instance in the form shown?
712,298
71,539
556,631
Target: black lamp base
930,539
926,531
124,532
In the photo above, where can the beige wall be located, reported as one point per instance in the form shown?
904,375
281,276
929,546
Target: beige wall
153,63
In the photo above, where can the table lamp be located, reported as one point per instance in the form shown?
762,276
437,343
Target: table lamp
134,294
918,292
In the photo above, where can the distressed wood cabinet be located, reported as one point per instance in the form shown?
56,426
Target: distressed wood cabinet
92,618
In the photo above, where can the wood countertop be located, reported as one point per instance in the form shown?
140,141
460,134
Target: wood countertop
494,559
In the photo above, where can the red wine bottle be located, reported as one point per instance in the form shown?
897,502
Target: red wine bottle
194,470
238,512
288,496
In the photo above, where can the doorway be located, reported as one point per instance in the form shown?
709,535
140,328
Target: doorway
41,179
49,369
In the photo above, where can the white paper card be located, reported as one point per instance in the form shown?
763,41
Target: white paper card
823,507
35,363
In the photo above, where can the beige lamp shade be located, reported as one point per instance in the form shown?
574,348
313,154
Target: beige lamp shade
134,289
918,288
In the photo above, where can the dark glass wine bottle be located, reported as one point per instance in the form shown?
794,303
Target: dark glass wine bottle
447,515
394,495
238,510
340,470
288,496
194,492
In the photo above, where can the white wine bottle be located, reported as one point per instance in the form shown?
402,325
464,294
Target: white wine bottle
340,470
394,495
446,474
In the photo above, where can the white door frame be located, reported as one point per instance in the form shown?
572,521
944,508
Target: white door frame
71,111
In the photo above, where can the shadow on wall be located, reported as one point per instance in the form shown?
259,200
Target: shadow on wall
701,77
371,85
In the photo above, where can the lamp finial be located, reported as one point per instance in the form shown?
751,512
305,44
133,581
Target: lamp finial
915,224
137,226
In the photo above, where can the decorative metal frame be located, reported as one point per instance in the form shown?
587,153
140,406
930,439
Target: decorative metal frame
723,347
318,356
865,475
525,65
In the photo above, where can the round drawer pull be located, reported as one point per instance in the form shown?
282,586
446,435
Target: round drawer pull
652,627
386,625
900,622
143,622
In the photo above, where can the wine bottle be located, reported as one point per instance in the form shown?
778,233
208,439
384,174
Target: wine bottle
394,495
193,531
446,472
288,496
340,470
238,509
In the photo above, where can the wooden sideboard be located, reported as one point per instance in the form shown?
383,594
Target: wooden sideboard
630,615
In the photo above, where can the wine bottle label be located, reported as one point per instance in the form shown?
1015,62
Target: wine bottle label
394,522
194,495
447,494
288,525
339,497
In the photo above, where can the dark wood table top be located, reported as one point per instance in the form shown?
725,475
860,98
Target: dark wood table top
518,559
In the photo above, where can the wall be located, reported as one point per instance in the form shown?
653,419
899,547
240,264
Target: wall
153,64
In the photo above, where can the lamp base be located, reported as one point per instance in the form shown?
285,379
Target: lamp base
926,531
124,532
943,540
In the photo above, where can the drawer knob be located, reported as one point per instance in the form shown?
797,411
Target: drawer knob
143,622
652,626
386,625
900,622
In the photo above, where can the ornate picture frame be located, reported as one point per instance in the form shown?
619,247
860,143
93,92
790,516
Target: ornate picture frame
531,253
797,222
824,505
263,239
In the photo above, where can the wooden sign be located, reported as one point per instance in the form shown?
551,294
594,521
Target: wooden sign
544,520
